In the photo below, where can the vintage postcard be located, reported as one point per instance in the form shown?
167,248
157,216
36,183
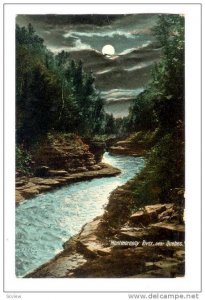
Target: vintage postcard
100,144
100,96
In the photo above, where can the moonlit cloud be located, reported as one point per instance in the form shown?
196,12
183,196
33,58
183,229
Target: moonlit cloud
127,51
136,48
139,66
120,94
104,71
79,45
110,34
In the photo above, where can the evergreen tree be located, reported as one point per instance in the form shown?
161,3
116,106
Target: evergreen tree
165,98
52,92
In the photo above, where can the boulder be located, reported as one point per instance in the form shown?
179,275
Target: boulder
30,192
43,188
21,182
157,208
42,181
88,243
92,248
134,234
165,215
149,213
90,228
58,173
167,263
81,169
19,197
123,150
97,148
179,254
102,251
95,168
139,217
90,162
168,231
42,171
27,185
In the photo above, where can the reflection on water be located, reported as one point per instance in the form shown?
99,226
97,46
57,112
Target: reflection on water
45,222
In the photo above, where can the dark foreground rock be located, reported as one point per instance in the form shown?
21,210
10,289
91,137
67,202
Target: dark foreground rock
142,244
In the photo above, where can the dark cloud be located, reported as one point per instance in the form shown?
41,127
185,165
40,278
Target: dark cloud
92,31
84,36
93,19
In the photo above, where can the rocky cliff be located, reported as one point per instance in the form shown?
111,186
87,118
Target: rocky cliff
136,144
59,160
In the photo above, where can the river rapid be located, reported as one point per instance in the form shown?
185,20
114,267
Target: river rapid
45,222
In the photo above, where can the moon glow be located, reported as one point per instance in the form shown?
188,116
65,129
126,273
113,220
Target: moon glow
108,50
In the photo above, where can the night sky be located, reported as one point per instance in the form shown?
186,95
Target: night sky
119,77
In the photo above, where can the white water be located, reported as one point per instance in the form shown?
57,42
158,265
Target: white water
45,222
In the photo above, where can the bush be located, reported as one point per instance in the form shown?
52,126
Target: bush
23,161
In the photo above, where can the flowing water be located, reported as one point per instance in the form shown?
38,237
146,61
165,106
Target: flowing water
45,222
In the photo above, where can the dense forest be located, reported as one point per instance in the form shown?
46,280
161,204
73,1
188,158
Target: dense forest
55,94
161,108
53,90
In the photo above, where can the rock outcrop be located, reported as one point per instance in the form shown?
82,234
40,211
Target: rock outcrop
60,160
126,148
28,187
135,145
61,152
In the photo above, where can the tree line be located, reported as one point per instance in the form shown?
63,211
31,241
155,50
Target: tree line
161,107
54,93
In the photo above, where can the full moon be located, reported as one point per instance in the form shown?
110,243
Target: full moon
108,49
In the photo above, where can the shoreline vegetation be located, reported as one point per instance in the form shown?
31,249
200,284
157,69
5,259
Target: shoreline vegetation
60,108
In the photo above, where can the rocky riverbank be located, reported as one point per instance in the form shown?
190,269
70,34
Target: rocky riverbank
29,187
148,242
136,144
58,161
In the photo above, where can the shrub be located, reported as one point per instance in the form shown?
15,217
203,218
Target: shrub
23,161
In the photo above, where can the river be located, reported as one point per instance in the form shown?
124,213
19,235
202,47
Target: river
45,222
